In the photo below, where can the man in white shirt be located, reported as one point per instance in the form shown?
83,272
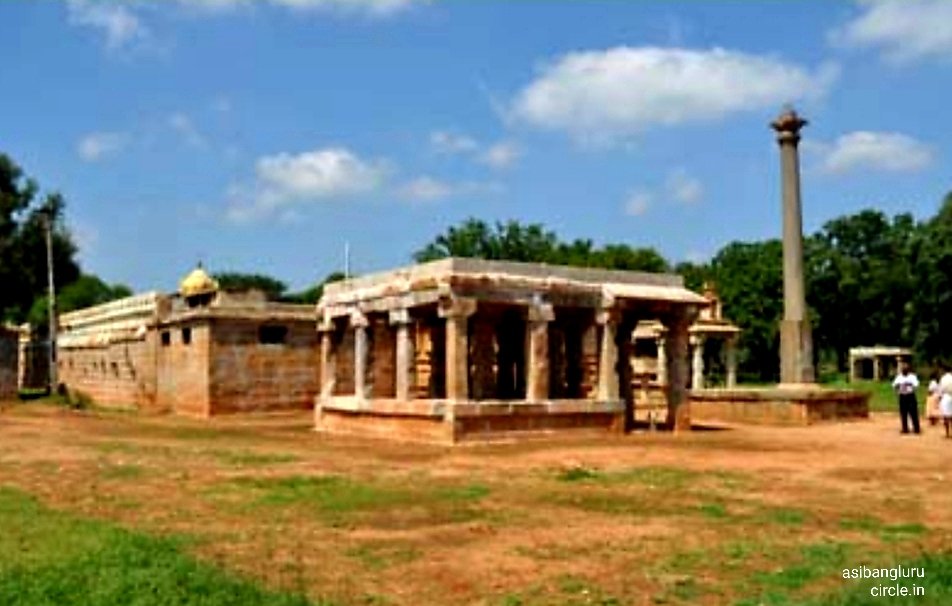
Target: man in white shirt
905,385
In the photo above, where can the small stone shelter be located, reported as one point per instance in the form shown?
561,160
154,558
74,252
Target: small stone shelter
466,349
200,352
649,357
876,362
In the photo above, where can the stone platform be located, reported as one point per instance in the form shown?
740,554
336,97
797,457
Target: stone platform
781,405
446,422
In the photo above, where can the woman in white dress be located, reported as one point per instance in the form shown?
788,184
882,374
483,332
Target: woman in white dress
945,403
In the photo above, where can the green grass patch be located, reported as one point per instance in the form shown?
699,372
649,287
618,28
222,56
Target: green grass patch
655,477
785,516
715,511
49,557
882,398
247,458
121,471
936,585
864,523
379,555
339,500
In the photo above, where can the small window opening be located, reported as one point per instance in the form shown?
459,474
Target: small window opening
166,338
272,335
186,336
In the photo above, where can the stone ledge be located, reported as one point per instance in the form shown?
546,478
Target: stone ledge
440,408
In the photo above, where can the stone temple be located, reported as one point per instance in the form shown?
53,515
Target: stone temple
463,349
200,352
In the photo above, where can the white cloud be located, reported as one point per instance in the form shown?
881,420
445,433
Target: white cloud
446,142
425,189
376,8
98,146
116,21
684,188
286,180
880,151
622,91
184,126
429,189
902,30
501,155
638,203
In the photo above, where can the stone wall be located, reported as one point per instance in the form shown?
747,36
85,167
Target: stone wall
119,374
9,346
778,406
251,372
382,366
182,368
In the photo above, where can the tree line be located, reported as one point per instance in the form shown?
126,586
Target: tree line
871,278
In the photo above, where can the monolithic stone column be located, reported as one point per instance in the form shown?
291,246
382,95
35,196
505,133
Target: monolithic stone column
697,362
731,346
676,344
662,362
404,371
358,322
537,356
457,313
796,338
608,355
877,368
328,329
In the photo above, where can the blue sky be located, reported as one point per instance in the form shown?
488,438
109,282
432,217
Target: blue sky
262,136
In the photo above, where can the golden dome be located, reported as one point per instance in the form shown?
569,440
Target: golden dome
197,283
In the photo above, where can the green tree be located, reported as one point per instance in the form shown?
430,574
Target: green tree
313,294
749,278
513,241
273,288
23,261
86,291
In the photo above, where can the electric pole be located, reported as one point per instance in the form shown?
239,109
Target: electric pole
51,351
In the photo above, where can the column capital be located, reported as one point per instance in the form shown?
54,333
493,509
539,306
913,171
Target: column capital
696,339
400,316
456,308
541,312
358,319
607,315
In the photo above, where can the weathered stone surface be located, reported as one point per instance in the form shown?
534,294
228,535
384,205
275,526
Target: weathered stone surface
778,406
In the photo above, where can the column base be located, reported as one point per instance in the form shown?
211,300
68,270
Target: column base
796,352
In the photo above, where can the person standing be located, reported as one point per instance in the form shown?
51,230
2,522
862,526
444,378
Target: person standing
932,400
905,385
945,403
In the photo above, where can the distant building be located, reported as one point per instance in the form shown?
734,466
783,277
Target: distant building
200,352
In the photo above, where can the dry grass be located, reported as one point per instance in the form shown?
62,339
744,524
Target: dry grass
743,516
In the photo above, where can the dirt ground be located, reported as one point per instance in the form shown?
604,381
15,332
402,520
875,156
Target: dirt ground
710,517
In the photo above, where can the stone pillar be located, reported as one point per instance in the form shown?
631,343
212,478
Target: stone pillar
662,362
676,344
457,313
697,362
328,328
877,368
731,346
608,355
537,354
358,321
796,337
404,364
